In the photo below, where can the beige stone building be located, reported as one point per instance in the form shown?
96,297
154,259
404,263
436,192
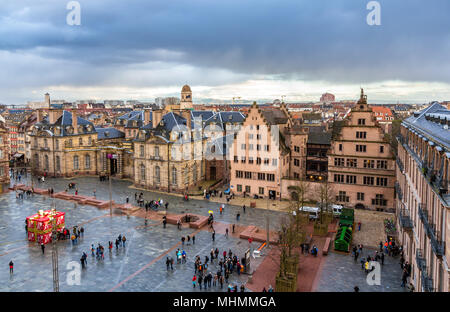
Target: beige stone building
169,156
4,158
267,149
361,165
423,197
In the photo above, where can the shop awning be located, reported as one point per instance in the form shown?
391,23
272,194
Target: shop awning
17,155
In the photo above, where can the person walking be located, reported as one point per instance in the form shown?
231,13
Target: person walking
226,232
11,267
213,236
193,240
194,279
123,241
359,226
42,247
182,240
233,228
382,258
243,208
404,277
117,245
238,216
168,264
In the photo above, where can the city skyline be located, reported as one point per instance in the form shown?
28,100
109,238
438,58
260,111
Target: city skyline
256,50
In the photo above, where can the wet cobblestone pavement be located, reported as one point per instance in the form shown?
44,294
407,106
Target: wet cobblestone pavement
340,273
140,266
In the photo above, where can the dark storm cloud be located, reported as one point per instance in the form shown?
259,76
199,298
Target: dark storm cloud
325,40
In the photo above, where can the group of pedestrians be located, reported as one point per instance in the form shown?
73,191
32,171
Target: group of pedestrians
98,252
225,266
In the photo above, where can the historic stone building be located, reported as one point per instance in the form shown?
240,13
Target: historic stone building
361,165
423,197
267,149
169,156
64,144
4,158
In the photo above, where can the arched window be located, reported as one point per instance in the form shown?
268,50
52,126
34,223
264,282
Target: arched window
157,174
70,143
45,143
186,176
80,140
174,175
58,164
36,160
76,165
194,172
90,141
46,163
87,161
142,169
157,151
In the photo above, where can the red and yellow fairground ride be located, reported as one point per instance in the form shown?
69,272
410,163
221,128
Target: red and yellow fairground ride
40,225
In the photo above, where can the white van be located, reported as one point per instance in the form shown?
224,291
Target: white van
313,212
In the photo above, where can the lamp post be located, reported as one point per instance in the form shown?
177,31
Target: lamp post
54,250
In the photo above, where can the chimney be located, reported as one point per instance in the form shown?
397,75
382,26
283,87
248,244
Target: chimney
146,116
39,116
53,115
186,114
74,121
157,116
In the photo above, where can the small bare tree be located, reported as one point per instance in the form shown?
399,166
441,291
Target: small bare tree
325,197
298,193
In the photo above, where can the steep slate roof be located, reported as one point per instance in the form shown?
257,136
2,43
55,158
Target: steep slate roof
431,129
319,138
275,116
109,133
222,118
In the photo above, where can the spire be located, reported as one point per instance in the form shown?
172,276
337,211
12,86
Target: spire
363,97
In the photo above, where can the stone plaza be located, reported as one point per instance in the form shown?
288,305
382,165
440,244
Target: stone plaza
141,264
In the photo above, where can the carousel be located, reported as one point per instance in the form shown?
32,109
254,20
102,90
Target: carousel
40,225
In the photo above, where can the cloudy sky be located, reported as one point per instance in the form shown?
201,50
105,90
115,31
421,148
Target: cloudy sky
255,49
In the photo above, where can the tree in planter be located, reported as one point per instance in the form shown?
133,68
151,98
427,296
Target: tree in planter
325,198
298,193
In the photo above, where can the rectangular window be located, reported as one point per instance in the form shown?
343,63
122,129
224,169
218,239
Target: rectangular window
340,147
243,159
351,179
242,146
250,147
360,196
261,191
296,162
250,135
339,178
239,174
342,197
266,148
247,189
297,149
369,163
258,136
239,187
352,163
381,149
381,181
379,200
361,121
141,149
258,161
261,176
296,175
339,162
274,162
258,147
248,175
361,134
361,148
266,161
270,177
236,160
250,160
368,180
381,164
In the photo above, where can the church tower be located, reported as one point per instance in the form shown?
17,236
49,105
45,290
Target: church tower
186,98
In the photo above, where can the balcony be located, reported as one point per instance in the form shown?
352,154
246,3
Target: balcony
405,220
427,282
420,260
400,165
398,190
423,213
